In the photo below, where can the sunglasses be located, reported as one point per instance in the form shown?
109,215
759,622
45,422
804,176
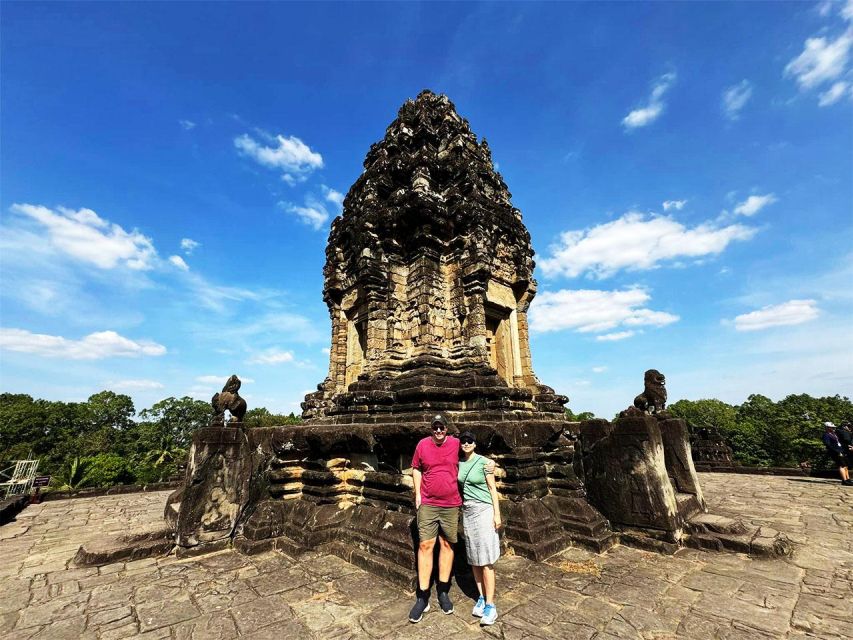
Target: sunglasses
466,441
439,427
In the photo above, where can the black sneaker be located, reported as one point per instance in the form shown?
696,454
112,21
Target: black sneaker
445,603
420,608
847,483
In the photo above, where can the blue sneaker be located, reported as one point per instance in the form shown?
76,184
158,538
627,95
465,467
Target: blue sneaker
490,615
477,611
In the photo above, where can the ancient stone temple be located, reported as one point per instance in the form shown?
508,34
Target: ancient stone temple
428,280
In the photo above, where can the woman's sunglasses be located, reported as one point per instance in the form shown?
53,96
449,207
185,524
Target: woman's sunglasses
466,441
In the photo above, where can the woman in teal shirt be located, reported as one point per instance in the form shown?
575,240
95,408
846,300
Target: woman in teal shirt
481,518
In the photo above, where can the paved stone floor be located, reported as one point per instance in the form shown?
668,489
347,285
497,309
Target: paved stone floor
625,593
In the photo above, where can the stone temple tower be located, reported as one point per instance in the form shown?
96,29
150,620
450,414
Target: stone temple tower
428,278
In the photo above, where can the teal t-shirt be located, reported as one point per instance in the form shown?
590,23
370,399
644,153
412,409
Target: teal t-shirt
472,473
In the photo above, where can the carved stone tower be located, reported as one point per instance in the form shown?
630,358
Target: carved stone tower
428,278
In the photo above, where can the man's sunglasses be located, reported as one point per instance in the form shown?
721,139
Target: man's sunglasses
466,441
439,427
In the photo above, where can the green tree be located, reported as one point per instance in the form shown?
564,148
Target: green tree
262,417
74,474
176,418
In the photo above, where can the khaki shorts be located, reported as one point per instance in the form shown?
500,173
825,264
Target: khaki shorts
430,518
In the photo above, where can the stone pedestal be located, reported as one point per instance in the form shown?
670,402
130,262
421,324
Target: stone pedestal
639,474
206,510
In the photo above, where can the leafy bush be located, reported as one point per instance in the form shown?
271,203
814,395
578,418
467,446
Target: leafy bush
108,469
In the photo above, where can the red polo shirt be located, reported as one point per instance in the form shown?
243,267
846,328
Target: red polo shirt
439,466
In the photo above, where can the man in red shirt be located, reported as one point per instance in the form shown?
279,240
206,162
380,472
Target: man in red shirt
435,467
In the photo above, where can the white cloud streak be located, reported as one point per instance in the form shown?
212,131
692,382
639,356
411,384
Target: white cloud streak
754,204
95,346
647,114
188,245
735,99
636,242
678,205
178,261
822,60
313,212
613,337
785,314
187,125
290,154
594,311
135,385
272,356
87,237
835,93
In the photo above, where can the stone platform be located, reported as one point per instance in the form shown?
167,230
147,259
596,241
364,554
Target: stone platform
622,593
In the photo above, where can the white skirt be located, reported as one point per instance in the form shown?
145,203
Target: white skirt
482,542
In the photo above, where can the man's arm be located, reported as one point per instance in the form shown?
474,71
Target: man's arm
416,481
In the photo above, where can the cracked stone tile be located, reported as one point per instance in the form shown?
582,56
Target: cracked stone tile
261,613
217,626
285,629
320,615
222,594
126,630
53,610
283,580
382,620
67,629
165,613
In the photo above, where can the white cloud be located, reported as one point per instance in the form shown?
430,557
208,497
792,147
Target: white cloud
635,242
787,313
678,205
135,385
822,60
599,369
272,356
735,98
613,337
102,344
187,124
326,351
84,235
847,11
313,212
834,93
188,245
594,311
178,261
290,154
333,196
654,108
754,204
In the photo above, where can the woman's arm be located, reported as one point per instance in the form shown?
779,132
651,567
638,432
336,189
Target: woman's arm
489,471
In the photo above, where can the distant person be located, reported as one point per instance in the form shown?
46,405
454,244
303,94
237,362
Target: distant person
836,451
845,437
481,517
435,466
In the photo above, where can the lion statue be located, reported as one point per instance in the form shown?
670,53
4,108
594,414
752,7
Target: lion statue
653,398
228,399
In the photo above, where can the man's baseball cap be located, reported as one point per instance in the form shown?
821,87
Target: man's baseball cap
829,425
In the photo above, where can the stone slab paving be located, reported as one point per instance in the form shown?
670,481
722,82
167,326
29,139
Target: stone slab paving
624,593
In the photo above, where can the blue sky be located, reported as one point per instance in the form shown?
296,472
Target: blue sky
170,170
